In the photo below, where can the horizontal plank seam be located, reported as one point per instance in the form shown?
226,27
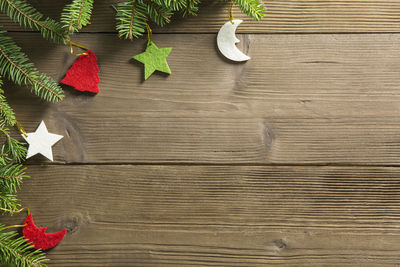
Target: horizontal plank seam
213,164
239,33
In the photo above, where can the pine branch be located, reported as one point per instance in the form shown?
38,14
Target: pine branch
23,13
9,203
76,15
132,15
11,173
6,111
158,13
186,7
131,19
17,252
175,5
14,149
16,66
253,8
191,8
11,176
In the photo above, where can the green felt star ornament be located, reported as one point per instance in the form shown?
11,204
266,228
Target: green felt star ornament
154,58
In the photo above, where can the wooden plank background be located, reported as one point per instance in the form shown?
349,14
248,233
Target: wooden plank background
289,159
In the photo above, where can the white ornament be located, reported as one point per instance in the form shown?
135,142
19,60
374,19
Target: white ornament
226,41
41,142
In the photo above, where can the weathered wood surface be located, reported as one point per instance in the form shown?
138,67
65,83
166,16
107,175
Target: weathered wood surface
225,164
283,16
218,215
302,99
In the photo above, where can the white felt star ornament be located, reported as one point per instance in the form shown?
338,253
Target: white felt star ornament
41,141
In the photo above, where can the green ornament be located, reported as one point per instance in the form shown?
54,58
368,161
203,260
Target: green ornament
154,58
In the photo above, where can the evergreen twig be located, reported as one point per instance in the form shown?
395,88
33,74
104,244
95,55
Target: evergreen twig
253,8
15,251
26,15
11,176
6,111
76,15
16,66
132,15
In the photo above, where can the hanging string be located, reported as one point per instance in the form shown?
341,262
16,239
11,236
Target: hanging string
82,54
16,211
17,225
13,211
77,45
230,15
21,129
149,33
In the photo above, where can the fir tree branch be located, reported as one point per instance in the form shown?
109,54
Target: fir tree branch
253,8
132,18
16,251
23,13
9,203
76,15
16,66
159,14
11,176
132,15
191,8
6,111
14,149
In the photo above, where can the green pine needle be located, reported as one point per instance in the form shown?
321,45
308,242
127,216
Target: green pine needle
253,8
76,15
190,7
23,13
16,66
159,14
17,252
14,149
6,111
131,19
9,204
11,176
132,15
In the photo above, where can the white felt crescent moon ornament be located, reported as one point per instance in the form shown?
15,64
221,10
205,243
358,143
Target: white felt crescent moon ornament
226,41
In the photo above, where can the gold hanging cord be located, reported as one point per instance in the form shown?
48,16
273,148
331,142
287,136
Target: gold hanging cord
149,33
21,129
17,225
16,211
230,15
77,45
12,211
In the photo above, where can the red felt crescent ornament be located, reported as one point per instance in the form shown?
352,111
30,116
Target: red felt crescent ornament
83,75
38,237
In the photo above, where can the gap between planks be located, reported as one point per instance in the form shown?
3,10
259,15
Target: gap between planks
210,164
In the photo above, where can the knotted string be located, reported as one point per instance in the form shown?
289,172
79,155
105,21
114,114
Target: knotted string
77,45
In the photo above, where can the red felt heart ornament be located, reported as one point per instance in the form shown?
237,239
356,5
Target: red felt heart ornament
38,237
83,74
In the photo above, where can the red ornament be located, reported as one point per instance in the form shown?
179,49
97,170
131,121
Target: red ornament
83,75
38,237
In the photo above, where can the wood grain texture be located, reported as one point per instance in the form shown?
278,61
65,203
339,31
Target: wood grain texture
216,165
217,215
302,99
283,16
